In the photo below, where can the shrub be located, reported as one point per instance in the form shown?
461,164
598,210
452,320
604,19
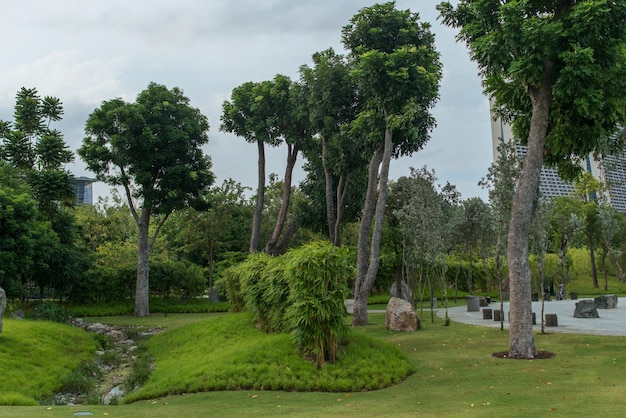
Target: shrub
82,379
318,274
51,311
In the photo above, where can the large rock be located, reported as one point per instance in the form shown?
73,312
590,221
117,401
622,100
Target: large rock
605,302
401,316
586,308
406,293
3,305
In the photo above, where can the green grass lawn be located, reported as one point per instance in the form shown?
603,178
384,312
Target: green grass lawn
35,354
455,375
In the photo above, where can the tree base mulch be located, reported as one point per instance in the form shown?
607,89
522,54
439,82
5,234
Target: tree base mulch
541,355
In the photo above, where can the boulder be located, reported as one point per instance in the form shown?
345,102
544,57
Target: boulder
406,293
586,308
3,305
19,314
605,302
401,316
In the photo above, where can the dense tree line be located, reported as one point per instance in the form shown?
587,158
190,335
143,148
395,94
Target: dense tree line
172,231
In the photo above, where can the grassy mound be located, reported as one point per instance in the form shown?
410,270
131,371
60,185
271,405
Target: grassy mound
227,353
36,355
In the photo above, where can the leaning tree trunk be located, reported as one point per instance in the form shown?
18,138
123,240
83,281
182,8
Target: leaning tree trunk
342,200
592,261
521,340
360,296
363,286
292,156
260,201
330,202
142,287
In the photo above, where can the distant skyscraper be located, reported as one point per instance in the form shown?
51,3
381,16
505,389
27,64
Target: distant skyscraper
611,170
84,191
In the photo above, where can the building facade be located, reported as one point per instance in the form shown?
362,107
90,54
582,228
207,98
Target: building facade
84,190
611,170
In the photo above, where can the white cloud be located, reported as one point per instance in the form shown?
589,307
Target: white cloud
67,75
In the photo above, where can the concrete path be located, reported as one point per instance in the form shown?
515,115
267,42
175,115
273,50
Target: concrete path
611,321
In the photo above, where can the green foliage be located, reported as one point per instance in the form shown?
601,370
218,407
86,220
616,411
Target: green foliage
16,399
111,278
158,304
19,230
141,370
51,311
178,277
227,353
318,274
155,145
302,292
82,380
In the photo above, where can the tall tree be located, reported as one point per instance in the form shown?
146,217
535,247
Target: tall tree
397,72
612,236
295,126
590,190
333,103
39,154
500,180
152,148
268,112
564,226
424,226
555,69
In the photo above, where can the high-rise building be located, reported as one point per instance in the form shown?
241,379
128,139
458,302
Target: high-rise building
84,190
611,170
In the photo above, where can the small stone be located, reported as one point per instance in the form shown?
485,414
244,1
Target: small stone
98,328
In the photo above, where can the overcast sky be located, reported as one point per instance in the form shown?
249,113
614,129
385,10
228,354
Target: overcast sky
86,52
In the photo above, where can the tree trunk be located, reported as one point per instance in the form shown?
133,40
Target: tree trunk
142,287
521,340
260,201
365,285
342,200
359,316
592,261
292,156
330,202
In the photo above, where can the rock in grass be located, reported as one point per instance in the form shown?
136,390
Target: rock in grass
401,316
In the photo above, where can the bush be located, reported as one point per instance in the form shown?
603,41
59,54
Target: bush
318,274
82,380
50,311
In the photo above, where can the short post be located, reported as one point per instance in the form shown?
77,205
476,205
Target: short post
487,313
551,320
498,315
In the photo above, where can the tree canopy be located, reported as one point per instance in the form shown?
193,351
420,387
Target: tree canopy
556,71
152,148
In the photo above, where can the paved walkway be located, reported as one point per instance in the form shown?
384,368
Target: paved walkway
611,321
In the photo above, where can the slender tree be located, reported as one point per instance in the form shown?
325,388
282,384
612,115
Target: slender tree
151,148
555,69
333,103
397,72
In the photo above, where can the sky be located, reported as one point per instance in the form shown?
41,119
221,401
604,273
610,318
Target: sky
87,52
